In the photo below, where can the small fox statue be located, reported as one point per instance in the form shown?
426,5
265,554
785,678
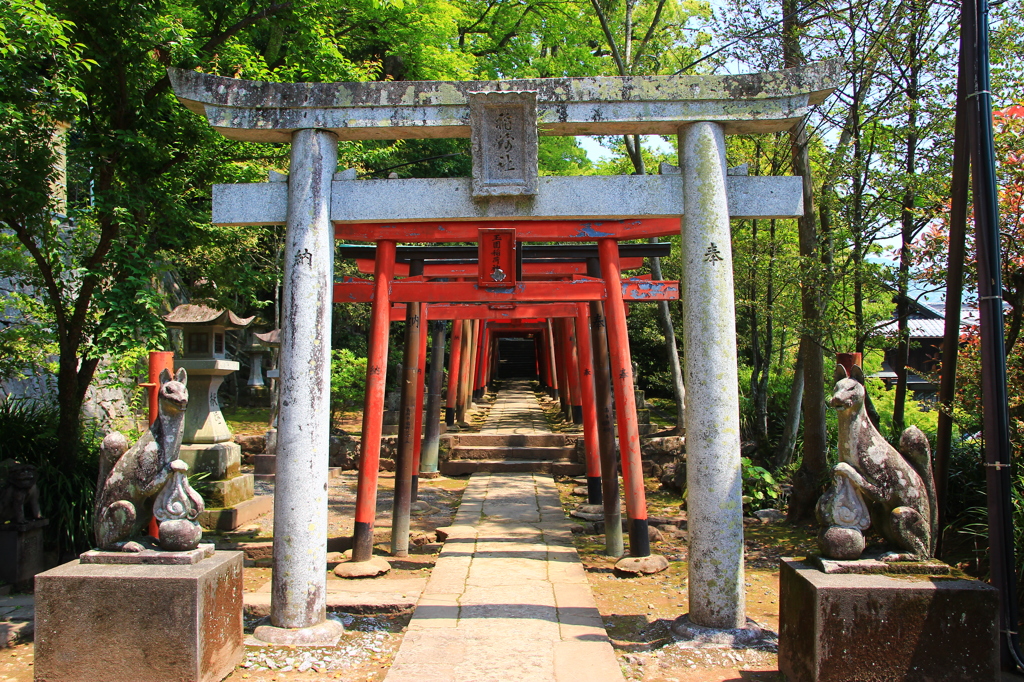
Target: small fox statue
876,485
130,477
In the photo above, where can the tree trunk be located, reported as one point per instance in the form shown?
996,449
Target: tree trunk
784,449
808,481
665,315
907,233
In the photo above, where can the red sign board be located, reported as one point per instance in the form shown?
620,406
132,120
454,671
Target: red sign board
497,257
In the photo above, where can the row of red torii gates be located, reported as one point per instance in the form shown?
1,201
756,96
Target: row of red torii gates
578,319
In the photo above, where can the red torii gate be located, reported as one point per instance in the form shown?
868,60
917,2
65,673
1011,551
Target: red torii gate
505,283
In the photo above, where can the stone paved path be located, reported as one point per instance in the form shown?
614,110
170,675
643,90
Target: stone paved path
508,598
516,410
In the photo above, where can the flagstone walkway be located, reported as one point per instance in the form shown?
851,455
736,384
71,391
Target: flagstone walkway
516,410
508,598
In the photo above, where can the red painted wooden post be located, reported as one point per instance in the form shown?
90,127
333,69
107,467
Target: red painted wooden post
562,363
538,365
453,373
552,365
625,400
159,360
605,423
373,404
485,358
591,442
572,355
421,369
474,354
462,400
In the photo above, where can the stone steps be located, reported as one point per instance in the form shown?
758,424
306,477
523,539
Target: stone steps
461,467
507,440
493,452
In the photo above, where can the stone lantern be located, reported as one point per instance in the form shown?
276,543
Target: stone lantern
206,438
265,465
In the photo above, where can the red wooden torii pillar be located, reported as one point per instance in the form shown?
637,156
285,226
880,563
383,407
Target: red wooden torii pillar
497,282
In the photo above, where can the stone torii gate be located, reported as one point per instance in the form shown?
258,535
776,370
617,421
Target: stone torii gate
313,117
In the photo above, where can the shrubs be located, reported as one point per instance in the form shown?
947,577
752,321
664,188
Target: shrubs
348,380
66,492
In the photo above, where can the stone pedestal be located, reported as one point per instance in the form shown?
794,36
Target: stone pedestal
139,622
264,467
21,552
851,628
226,485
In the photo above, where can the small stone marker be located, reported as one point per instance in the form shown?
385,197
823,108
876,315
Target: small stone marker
504,141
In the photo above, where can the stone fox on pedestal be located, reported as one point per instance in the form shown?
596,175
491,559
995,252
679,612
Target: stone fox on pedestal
129,478
875,485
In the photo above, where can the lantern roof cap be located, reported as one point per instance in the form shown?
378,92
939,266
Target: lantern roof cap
188,314
271,338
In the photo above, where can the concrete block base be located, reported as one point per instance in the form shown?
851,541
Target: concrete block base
851,628
21,552
135,622
230,518
264,467
221,460
229,492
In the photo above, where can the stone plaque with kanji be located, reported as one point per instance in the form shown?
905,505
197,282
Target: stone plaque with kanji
504,140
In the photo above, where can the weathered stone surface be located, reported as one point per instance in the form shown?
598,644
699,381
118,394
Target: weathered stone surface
219,460
21,552
663,448
204,422
653,105
750,636
303,436
636,565
874,485
610,197
19,494
504,143
851,628
149,557
256,550
177,507
238,515
130,623
231,491
326,633
264,467
873,564
131,476
251,444
362,569
714,485
770,515
344,452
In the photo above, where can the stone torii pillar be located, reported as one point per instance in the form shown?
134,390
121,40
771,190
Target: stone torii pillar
714,501
298,607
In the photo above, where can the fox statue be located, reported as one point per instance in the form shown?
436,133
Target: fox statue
131,477
876,485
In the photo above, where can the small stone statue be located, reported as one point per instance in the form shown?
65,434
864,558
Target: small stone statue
177,507
130,477
19,494
875,485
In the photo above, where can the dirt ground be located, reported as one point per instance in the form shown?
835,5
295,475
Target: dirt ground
638,612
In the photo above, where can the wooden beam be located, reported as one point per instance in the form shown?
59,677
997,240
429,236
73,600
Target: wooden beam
357,290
